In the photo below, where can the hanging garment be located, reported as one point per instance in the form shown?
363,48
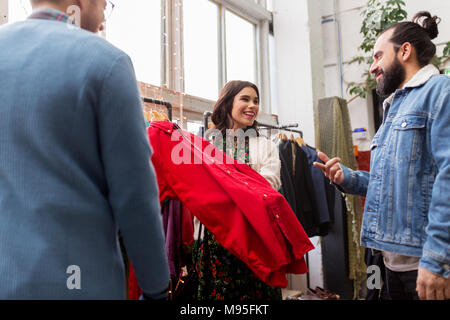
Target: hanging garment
286,174
246,215
221,275
320,193
305,194
187,226
171,216
134,292
303,189
334,138
178,230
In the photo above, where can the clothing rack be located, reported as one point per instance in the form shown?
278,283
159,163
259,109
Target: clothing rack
261,125
206,116
288,128
284,127
168,105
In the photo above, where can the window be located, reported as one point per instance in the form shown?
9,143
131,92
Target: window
207,65
240,48
195,128
273,73
135,28
221,42
18,10
201,52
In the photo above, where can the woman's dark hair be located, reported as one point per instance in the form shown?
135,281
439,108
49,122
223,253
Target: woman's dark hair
419,32
222,108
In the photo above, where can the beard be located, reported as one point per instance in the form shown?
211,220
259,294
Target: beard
392,78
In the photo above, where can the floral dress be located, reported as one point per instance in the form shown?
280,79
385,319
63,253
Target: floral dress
222,276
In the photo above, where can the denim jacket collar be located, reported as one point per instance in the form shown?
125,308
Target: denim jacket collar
421,77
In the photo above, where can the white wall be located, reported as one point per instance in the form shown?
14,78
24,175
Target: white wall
296,25
3,11
300,82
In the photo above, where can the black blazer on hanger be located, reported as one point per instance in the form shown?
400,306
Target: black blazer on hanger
299,186
286,174
304,190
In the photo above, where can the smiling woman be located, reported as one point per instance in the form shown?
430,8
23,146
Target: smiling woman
236,99
221,274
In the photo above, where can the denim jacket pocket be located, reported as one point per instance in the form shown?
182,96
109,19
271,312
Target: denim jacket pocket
408,137
375,148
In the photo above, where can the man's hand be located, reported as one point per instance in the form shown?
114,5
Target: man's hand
431,286
331,168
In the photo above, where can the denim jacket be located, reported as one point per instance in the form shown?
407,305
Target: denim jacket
407,209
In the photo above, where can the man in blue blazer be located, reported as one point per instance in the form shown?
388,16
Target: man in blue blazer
74,162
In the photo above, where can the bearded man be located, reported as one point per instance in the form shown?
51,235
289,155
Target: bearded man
407,209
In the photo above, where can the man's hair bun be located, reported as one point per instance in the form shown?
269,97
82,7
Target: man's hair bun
429,23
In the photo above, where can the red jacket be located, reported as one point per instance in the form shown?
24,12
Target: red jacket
246,215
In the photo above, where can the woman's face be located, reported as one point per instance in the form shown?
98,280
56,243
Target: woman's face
245,108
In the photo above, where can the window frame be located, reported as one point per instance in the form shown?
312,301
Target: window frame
256,14
172,58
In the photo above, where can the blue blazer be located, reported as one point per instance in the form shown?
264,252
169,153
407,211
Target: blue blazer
74,168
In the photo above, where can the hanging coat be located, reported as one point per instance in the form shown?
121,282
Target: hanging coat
246,215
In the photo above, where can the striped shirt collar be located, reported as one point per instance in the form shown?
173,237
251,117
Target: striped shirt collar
51,14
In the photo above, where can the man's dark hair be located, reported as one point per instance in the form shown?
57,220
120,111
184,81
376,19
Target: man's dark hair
419,32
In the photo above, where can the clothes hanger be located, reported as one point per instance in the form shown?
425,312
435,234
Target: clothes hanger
300,141
292,138
153,113
157,116
147,116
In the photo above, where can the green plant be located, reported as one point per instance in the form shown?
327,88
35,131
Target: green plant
378,16
440,61
447,50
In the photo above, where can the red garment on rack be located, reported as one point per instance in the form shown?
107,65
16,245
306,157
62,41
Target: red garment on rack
187,237
246,215
363,160
134,292
187,226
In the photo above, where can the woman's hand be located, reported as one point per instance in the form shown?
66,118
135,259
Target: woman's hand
331,168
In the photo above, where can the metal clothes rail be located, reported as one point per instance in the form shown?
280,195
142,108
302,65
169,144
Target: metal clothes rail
168,105
261,125
284,127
